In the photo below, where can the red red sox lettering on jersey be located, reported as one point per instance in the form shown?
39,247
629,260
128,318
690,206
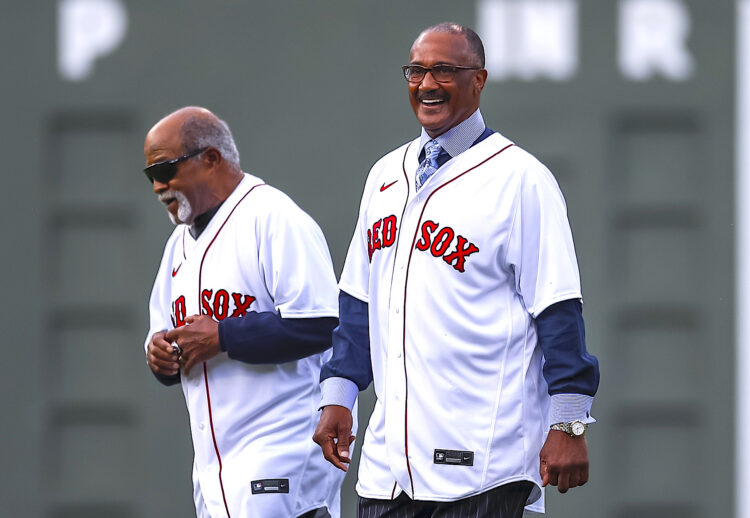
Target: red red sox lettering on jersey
486,236
238,265
435,238
216,305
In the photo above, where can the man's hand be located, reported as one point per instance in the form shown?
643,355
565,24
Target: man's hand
198,339
564,461
334,435
161,358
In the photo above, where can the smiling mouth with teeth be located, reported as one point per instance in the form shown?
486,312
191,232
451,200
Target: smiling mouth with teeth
432,101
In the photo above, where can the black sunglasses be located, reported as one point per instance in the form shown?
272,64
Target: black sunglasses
165,170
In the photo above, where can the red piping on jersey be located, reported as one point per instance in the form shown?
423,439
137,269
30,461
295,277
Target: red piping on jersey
406,384
213,436
205,367
406,281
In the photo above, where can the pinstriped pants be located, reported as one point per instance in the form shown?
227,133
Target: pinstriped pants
505,501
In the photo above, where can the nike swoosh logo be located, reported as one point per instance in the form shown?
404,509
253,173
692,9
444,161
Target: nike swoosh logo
175,270
384,186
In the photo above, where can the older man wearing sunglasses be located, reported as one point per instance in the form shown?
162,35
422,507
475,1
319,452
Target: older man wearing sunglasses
241,315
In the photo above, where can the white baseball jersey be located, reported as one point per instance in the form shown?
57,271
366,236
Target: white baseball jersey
252,425
454,275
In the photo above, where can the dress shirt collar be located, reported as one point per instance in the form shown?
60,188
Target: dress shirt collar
459,138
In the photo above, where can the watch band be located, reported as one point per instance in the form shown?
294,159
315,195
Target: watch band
573,428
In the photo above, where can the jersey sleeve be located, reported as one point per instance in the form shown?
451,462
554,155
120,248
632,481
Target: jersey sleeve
160,303
355,277
295,262
159,310
540,249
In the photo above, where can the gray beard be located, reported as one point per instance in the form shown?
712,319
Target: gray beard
184,210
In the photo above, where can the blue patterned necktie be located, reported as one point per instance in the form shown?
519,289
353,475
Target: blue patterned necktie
429,165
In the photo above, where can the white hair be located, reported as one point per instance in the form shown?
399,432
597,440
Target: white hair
201,132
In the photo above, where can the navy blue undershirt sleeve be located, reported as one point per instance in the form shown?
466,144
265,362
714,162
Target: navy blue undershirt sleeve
568,367
351,344
266,337
167,380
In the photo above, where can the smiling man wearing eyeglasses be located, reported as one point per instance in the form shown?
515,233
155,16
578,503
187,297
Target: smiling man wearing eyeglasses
241,315
460,300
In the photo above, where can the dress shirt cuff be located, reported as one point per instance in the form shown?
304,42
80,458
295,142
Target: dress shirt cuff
565,408
338,391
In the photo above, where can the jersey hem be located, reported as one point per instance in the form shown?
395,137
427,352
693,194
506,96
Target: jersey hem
300,512
309,314
559,298
435,498
354,292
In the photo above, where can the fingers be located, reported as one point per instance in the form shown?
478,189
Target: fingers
342,444
328,446
162,367
551,476
333,456
563,461
159,340
162,354
171,335
563,482
564,478
161,358
199,341
334,435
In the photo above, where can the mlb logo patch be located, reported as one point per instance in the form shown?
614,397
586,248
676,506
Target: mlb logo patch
454,457
270,485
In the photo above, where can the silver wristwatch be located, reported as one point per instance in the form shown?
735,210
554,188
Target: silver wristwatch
573,428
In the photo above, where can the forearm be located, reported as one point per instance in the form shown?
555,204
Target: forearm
267,338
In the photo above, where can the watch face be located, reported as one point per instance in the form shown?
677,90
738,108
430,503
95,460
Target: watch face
577,428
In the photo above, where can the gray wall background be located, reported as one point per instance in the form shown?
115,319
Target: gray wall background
314,95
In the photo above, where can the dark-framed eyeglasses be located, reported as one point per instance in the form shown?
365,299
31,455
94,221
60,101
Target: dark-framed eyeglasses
165,170
440,73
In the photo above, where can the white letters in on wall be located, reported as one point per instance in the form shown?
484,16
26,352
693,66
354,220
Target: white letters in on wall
653,40
529,39
87,30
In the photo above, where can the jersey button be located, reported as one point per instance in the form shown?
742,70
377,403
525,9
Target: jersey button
202,426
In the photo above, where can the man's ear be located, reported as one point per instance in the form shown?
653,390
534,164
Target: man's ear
480,78
212,157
